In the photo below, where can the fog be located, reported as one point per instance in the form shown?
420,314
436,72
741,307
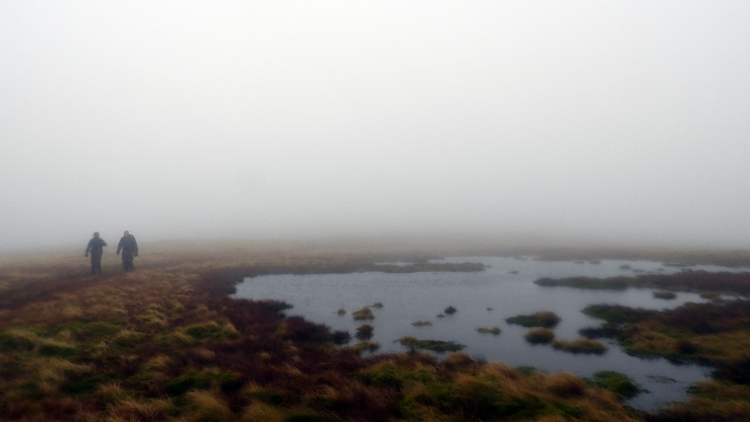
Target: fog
618,121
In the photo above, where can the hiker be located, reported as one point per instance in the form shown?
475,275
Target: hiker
95,247
129,250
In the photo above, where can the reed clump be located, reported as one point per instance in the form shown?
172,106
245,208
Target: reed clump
421,323
489,330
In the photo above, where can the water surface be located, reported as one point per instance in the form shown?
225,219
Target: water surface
423,296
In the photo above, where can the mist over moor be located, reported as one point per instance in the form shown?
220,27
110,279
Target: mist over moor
618,122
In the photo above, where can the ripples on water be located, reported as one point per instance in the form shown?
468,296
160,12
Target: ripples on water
422,296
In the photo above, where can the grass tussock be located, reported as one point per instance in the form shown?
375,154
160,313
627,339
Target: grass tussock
438,346
489,330
544,319
364,314
261,412
208,406
421,323
582,345
364,332
540,336
665,295
341,337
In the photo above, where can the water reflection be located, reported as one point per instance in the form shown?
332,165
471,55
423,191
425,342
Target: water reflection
507,288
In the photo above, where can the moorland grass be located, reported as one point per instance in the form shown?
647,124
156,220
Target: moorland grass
165,343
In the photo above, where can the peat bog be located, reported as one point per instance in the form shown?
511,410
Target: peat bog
165,343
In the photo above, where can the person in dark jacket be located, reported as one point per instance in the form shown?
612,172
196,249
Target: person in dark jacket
129,250
95,247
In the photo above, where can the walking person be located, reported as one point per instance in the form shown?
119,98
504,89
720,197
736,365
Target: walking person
129,249
95,247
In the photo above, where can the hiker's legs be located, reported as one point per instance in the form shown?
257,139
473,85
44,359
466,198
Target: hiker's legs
96,264
127,262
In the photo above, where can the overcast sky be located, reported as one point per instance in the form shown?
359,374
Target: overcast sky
608,120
